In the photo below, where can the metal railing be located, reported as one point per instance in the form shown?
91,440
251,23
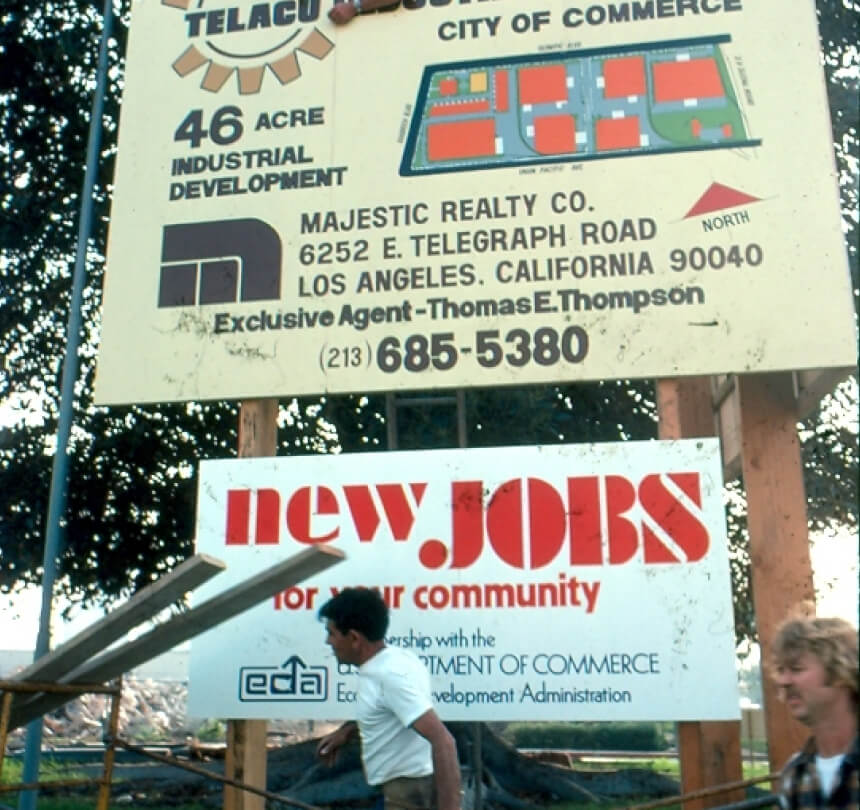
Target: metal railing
705,793
224,780
10,688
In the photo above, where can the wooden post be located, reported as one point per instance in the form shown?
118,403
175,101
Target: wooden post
779,535
245,758
684,408
710,753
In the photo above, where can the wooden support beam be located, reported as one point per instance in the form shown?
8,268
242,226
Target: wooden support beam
710,753
145,604
258,428
808,388
777,523
186,625
684,408
245,758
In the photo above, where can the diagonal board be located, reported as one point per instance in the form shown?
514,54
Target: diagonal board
142,606
180,628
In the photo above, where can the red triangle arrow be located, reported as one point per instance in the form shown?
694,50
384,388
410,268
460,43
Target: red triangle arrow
718,197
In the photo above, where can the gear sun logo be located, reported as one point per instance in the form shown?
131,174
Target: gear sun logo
246,39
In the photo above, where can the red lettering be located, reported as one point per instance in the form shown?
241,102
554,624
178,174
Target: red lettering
505,522
392,595
266,528
467,527
527,521
683,527
583,494
299,514
622,533
364,514
238,515
397,509
546,523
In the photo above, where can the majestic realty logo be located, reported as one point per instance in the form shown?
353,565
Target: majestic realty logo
246,38
219,262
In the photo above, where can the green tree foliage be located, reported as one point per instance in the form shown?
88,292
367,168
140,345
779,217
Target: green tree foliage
629,736
132,481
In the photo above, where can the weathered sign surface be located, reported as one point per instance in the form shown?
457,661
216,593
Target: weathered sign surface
567,582
457,193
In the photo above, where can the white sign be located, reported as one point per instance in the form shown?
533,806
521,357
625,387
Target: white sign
585,582
463,193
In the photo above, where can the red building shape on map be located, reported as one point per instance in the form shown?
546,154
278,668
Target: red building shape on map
461,139
500,88
542,85
448,87
617,133
694,78
460,108
624,77
555,134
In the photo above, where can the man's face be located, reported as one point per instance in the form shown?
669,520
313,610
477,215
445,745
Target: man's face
342,644
803,686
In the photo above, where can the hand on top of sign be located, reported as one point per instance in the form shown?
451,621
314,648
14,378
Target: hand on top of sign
343,12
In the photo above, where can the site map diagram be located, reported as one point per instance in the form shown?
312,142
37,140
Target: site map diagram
639,99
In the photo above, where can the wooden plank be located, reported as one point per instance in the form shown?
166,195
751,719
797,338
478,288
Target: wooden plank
246,755
710,753
778,531
145,604
184,626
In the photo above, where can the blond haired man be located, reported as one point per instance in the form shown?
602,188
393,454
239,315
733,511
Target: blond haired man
815,667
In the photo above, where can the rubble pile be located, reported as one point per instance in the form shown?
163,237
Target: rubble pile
150,711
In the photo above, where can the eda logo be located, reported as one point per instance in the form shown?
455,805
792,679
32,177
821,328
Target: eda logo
293,682
246,38
219,262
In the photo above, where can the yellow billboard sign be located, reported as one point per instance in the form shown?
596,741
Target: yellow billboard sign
469,193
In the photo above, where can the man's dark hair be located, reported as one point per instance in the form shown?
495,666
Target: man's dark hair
360,609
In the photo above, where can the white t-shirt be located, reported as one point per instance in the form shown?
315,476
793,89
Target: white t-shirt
828,768
393,692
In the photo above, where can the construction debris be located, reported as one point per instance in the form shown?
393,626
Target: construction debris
150,711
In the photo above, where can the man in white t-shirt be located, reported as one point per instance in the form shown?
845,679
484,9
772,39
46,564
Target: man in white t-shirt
405,748
815,667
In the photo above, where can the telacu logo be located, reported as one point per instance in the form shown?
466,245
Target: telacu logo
246,39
